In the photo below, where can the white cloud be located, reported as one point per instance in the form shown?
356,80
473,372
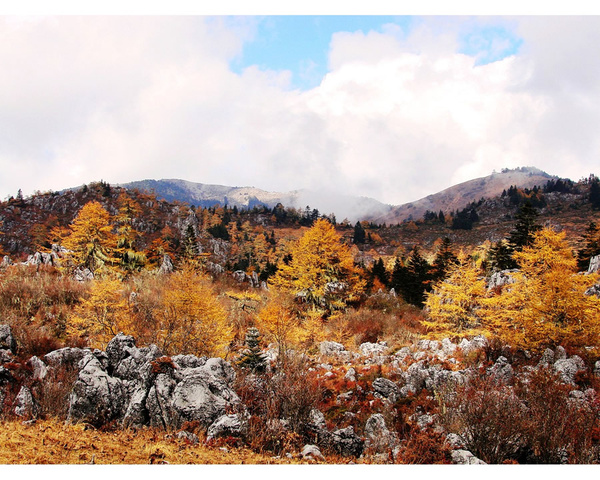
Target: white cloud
399,116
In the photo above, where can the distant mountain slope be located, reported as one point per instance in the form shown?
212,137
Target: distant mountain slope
459,196
206,195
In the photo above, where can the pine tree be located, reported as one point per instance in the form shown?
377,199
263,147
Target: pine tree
417,278
595,193
359,236
253,358
500,256
443,260
591,246
525,227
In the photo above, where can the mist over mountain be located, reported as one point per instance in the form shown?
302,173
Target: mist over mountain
205,195
344,206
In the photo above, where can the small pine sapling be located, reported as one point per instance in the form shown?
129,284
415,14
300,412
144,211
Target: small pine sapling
252,357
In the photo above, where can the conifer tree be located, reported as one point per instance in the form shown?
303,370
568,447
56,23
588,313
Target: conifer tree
443,260
253,358
591,246
359,236
525,227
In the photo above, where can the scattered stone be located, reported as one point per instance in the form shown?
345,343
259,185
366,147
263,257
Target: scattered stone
373,349
502,371
25,405
7,341
378,437
350,375
188,437
311,452
227,425
387,389
464,457
568,368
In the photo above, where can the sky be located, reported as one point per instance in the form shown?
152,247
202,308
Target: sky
389,107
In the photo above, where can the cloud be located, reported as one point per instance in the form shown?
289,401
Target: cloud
400,114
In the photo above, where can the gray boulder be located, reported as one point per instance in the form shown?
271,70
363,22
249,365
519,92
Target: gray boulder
189,361
378,437
38,368
346,443
594,266
7,341
464,457
502,371
188,437
97,398
387,389
161,412
166,265
569,367
232,425
65,356
369,349
25,405
501,278
311,452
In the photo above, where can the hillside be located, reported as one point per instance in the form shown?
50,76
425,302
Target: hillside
206,195
459,196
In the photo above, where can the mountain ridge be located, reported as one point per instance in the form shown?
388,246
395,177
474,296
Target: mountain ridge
353,208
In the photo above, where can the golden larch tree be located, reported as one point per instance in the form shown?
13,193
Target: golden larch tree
453,305
192,321
321,269
547,305
90,238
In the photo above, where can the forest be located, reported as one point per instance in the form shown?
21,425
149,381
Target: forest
360,318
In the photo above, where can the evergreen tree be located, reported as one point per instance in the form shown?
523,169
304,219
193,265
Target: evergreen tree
525,227
591,246
500,256
190,243
379,272
417,279
252,358
359,234
595,193
443,260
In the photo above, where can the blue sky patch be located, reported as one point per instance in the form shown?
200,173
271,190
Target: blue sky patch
300,43
490,44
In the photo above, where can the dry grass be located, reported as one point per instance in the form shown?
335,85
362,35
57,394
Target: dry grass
55,442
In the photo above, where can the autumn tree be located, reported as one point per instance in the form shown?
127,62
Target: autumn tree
130,259
102,314
321,270
279,324
90,239
191,320
452,306
547,305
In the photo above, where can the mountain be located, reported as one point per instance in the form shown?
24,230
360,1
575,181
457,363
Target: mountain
459,196
206,195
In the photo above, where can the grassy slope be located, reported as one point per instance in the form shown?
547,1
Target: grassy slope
55,442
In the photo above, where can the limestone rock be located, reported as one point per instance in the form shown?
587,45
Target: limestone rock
347,443
227,425
378,437
97,398
568,368
387,389
464,457
25,405
7,341
311,452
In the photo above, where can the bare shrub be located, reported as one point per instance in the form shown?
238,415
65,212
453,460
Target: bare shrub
52,392
488,416
279,406
559,429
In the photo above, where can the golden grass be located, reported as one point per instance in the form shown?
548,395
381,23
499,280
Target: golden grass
55,442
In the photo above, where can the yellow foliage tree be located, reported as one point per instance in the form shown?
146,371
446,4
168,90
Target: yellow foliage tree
278,324
192,321
547,305
102,314
321,269
90,238
454,303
